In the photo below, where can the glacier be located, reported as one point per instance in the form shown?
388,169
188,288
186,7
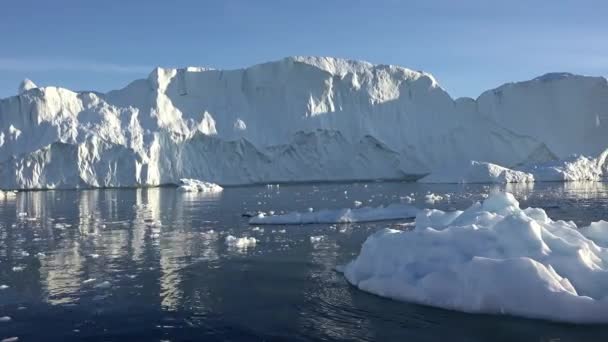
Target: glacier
296,119
492,258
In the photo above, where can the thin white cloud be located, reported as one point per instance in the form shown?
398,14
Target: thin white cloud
28,64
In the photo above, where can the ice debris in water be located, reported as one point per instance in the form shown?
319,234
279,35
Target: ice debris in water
241,243
194,185
493,258
432,198
364,214
316,239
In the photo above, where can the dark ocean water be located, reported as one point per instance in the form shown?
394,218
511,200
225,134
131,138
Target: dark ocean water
142,265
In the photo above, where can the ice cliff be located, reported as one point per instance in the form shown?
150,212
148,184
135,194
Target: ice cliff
297,119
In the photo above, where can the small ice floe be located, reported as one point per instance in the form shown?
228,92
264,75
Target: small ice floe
407,199
364,214
4,287
241,243
94,256
18,268
194,185
358,203
5,319
317,239
103,285
88,281
257,229
10,339
432,198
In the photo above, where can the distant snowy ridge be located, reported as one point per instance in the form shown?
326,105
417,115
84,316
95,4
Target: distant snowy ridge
297,119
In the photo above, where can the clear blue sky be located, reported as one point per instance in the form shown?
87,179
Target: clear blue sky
468,45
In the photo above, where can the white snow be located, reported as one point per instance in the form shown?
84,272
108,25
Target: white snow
326,216
492,258
296,119
574,168
193,185
26,85
477,172
241,243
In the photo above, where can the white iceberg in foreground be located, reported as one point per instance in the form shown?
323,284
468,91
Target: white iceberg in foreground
478,172
193,185
365,214
492,258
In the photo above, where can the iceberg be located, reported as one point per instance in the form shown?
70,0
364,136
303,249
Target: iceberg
493,258
478,172
292,120
193,185
574,168
571,169
328,216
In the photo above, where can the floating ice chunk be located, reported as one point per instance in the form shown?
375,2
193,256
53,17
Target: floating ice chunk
18,268
477,172
317,239
407,199
4,287
242,243
5,319
491,258
11,339
364,214
103,285
358,203
432,198
193,185
88,281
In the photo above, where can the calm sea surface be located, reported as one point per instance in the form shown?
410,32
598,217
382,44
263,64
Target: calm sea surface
152,265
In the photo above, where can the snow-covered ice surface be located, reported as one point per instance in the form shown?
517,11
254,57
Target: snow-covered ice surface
573,168
477,172
296,119
493,258
347,215
194,185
